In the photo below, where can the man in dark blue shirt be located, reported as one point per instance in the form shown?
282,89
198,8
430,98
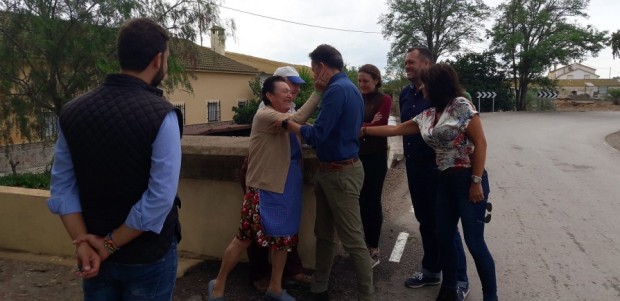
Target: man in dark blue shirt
341,175
421,176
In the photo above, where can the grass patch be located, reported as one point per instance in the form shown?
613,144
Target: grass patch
27,180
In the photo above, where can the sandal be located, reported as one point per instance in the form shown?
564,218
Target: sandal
210,292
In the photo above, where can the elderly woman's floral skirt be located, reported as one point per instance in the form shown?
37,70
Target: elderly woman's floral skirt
251,228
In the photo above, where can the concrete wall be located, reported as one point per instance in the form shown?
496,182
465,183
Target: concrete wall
211,199
30,155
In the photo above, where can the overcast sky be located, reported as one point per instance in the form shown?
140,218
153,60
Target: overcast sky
288,42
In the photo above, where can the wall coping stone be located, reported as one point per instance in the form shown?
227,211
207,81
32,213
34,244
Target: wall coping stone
220,158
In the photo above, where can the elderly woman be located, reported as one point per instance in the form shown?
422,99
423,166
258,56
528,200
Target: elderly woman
373,154
271,209
452,127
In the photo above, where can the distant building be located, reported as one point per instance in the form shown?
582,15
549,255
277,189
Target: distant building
595,88
573,71
221,82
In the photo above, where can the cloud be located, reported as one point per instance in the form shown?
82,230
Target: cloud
291,43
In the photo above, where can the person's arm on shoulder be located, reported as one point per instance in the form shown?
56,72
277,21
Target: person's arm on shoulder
302,115
405,128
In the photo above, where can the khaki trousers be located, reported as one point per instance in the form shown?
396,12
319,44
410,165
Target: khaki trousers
337,210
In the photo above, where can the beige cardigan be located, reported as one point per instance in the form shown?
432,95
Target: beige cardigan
270,149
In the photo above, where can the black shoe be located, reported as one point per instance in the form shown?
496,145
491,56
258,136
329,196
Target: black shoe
447,294
322,296
419,280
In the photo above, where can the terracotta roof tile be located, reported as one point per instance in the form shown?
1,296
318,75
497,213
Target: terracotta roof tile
263,65
198,58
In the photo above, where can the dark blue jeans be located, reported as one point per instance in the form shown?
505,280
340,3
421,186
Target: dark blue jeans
422,181
116,281
453,204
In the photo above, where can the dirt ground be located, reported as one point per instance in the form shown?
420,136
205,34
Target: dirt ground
22,280
582,106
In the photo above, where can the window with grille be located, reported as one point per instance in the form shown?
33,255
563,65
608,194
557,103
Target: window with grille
180,106
242,103
213,111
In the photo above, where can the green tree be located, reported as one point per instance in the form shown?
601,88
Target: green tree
480,72
351,72
615,44
245,114
440,25
52,51
531,35
614,95
307,88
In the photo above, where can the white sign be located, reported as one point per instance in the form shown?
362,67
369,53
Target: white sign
547,94
486,94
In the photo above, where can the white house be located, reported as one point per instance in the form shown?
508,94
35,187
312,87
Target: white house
574,71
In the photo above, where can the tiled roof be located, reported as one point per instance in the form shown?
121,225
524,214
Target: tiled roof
198,58
263,65
605,82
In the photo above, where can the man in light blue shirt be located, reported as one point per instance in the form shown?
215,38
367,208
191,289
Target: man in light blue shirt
116,172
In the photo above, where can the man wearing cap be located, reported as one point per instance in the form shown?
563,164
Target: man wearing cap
258,256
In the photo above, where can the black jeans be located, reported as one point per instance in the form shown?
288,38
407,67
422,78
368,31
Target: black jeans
375,168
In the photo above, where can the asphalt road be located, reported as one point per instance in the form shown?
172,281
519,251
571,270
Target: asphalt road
555,187
555,231
556,196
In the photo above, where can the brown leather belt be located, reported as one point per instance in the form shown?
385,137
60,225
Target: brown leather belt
337,165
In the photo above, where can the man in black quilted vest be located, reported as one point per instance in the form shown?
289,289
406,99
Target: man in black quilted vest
116,172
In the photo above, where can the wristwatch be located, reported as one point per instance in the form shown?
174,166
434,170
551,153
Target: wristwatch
476,179
284,124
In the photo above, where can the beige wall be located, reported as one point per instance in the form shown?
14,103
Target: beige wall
225,87
211,199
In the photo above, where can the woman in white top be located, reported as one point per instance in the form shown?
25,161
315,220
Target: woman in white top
452,127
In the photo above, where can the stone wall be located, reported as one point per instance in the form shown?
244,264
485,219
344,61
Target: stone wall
210,194
31,156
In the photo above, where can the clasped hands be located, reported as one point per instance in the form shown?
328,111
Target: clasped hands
90,253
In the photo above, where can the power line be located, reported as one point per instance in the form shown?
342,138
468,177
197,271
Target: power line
299,23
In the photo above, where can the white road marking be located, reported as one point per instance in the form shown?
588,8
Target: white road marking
399,246
411,209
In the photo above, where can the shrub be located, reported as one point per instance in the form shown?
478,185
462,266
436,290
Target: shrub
614,95
27,180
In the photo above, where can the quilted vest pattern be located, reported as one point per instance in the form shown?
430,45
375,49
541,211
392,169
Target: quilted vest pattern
110,131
